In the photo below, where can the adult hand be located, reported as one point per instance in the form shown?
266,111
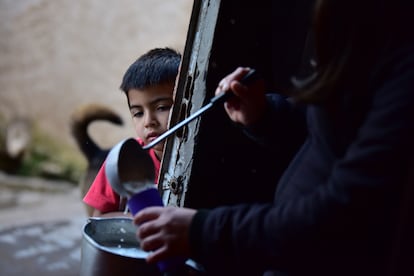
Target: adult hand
249,103
164,231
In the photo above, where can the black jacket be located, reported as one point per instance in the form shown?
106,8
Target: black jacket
335,208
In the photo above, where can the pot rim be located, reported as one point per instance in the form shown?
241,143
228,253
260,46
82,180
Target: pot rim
86,236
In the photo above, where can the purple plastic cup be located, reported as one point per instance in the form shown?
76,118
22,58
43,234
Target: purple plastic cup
146,198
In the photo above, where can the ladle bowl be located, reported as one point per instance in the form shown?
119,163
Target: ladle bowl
128,162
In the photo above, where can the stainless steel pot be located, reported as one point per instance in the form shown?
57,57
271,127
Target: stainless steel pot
109,247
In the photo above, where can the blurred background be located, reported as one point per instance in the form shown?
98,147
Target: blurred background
55,57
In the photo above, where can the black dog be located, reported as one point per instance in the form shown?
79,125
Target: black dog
95,155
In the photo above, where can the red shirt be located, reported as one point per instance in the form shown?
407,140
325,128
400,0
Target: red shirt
101,196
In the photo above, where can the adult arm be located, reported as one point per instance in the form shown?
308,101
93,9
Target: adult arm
360,195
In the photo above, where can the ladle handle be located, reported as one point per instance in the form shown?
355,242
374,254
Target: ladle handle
251,76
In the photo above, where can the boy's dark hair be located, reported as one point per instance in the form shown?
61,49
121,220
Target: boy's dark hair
157,66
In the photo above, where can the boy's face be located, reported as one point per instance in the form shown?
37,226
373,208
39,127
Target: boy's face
150,110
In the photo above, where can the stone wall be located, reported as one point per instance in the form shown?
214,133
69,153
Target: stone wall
58,54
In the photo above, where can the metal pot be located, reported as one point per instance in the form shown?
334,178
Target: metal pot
109,247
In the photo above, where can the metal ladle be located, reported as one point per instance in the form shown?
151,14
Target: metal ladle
129,166
129,162
251,76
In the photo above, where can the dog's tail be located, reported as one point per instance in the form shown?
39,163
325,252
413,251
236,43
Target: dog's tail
81,118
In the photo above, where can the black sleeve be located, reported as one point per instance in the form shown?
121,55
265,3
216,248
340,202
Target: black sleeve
283,127
357,196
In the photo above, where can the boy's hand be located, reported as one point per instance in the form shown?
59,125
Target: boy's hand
248,105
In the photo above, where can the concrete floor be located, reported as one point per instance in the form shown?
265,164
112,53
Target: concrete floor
40,227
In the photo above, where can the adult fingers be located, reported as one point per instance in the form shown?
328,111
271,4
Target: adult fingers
225,84
158,255
153,242
147,214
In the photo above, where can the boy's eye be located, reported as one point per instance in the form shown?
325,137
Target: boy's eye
164,107
137,114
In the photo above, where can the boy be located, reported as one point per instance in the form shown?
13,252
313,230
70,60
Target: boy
148,85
